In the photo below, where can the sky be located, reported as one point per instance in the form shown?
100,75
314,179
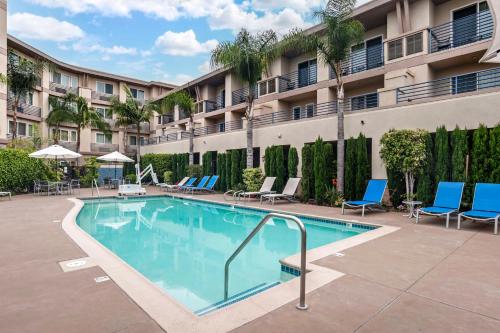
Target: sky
160,40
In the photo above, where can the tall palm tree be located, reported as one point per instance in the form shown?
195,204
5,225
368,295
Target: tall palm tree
248,56
22,78
132,112
60,112
341,31
84,116
185,103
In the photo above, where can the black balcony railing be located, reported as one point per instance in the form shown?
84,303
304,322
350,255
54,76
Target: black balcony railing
463,31
240,96
102,96
220,101
362,60
298,79
167,118
145,128
24,108
219,128
62,89
361,102
450,85
103,147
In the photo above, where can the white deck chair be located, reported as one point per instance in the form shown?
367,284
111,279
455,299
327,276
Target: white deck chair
170,187
288,193
266,188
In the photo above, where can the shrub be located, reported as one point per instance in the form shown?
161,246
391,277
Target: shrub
479,159
228,170
253,179
168,177
221,171
235,168
243,163
91,171
350,170
174,168
332,197
160,163
495,154
459,152
132,178
293,161
330,162
272,162
307,172
18,170
267,161
362,166
195,170
320,172
280,168
396,184
442,155
425,179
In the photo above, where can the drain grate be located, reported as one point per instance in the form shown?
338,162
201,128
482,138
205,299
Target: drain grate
101,279
76,264
339,254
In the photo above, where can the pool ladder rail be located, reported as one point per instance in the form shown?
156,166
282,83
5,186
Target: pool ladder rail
94,183
303,248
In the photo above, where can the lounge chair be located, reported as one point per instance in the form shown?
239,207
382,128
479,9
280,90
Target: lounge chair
209,187
173,186
264,189
131,189
446,202
6,194
288,193
202,183
485,206
189,183
373,196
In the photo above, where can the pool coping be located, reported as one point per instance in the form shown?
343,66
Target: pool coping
174,317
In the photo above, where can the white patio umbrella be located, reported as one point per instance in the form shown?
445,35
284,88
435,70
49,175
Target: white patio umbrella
55,152
493,53
115,157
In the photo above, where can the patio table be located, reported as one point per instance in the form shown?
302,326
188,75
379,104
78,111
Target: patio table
412,204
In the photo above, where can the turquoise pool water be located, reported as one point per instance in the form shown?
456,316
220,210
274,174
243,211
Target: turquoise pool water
181,245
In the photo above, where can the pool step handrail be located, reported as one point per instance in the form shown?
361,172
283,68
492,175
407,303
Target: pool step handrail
303,248
94,183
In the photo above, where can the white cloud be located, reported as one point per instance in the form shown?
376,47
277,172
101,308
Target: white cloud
34,27
87,46
183,44
204,67
301,6
180,79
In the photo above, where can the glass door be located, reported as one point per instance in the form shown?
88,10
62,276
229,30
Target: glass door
465,25
374,56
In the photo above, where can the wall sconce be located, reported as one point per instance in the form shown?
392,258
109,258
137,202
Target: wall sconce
279,136
362,122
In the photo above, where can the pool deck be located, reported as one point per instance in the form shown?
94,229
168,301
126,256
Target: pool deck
420,278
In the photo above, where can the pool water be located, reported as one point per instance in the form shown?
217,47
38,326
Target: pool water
182,245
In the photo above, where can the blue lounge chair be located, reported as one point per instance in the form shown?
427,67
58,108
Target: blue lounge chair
209,187
373,196
188,184
201,184
486,205
446,202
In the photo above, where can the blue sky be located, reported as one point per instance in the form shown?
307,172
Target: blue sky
165,40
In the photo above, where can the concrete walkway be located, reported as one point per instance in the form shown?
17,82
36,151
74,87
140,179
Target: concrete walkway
421,278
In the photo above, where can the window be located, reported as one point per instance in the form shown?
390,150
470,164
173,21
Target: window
364,102
73,136
296,113
65,79
132,140
104,88
30,130
21,128
414,44
309,110
196,158
105,113
64,135
137,93
395,49
30,98
464,83
307,72
221,127
267,87
102,138
263,88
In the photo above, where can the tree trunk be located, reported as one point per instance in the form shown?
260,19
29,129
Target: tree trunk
340,137
139,143
78,133
14,118
191,141
407,183
250,134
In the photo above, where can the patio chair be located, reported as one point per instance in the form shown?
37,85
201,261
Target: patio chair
446,202
75,184
201,184
288,192
485,206
373,196
6,194
188,184
168,187
209,187
266,188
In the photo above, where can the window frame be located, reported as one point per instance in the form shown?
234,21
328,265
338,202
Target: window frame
397,55
421,44
106,138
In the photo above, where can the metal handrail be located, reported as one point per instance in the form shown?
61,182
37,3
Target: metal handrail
94,181
302,299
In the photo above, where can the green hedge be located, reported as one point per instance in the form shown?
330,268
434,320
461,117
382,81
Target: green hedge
160,163
442,155
320,171
307,173
425,179
18,170
221,185
495,154
293,162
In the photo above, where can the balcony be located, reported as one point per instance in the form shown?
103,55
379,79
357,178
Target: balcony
298,79
240,96
219,128
362,60
167,118
99,96
103,147
68,145
463,31
145,128
24,108
62,89
453,85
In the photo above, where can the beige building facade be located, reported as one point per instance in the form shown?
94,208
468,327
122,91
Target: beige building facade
418,67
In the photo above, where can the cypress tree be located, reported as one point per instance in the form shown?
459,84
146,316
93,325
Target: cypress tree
425,183
480,159
459,152
350,170
175,176
272,161
243,164
235,168
397,187
320,174
280,168
221,171
306,172
267,162
293,161
330,162
495,154
442,155
362,166
204,163
228,170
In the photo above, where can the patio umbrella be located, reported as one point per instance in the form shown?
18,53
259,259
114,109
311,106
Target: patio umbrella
493,53
115,157
55,152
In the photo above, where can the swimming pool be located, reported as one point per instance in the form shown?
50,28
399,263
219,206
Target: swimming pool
181,245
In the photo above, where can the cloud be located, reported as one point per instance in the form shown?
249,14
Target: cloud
34,27
89,46
301,6
183,44
204,67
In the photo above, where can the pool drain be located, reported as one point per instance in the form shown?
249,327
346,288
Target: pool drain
100,279
339,254
76,263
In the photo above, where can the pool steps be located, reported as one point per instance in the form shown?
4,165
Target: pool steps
236,298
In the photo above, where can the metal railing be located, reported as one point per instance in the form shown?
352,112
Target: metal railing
298,79
362,60
24,108
361,102
167,118
303,250
102,96
463,31
220,101
453,85
219,128
62,89
103,147
145,128
240,96
69,145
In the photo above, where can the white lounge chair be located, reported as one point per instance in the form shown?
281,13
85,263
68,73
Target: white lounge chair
5,194
266,188
288,193
131,189
170,187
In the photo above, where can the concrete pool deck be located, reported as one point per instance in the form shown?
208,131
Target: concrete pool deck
420,278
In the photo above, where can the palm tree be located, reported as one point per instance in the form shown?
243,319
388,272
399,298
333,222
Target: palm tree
185,102
341,31
132,112
84,116
60,112
248,56
22,78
